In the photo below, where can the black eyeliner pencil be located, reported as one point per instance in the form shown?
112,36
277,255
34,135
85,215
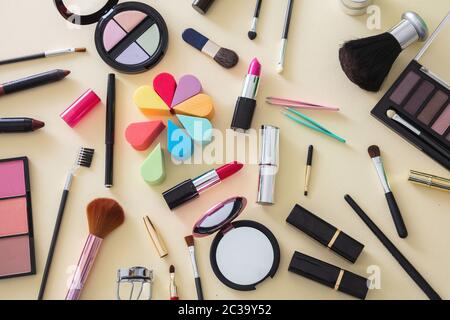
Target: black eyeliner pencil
33,81
110,130
308,169
406,265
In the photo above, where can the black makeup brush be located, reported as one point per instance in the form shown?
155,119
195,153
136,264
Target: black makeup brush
252,33
367,62
225,57
375,154
84,159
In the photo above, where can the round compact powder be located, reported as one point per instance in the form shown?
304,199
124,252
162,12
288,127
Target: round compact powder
245,256
131,37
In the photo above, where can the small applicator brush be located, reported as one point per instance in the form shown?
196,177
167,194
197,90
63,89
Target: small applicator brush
173,286
252,33
375,154
223,56
45,54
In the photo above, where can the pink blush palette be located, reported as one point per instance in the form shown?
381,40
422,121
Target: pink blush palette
16,226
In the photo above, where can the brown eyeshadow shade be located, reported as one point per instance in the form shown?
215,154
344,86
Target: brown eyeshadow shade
15,256
419,97
433,107
405,87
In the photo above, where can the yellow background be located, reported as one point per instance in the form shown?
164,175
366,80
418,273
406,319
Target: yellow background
312,73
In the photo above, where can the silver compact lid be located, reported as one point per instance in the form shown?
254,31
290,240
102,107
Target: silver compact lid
412,28
270,144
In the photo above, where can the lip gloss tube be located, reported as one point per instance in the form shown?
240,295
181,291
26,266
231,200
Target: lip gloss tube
268,164
191,189
246,103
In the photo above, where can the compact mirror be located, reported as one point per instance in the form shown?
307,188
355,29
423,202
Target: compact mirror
243,253
84,12
219,216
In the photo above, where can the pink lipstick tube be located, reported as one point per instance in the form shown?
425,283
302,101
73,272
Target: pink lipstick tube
246,103
84,266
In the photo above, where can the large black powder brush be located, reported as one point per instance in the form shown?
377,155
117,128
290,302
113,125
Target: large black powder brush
367,62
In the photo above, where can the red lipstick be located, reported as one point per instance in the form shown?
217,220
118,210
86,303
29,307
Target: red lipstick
191,189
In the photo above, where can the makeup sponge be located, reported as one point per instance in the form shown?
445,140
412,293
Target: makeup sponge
199,129
141,135
179,143
153,168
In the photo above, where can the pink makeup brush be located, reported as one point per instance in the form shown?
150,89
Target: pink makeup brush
104,216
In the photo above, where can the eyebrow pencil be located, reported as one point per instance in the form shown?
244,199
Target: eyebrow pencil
33,81
406,265
252,34
375,154
284,38
16,125
110,130
45,54
308,169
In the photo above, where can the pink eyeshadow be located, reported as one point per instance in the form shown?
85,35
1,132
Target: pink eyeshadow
443,122
129,20
13,217
112,35
12,179
15,256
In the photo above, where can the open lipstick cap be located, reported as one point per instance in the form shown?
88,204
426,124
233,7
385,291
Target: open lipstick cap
80,108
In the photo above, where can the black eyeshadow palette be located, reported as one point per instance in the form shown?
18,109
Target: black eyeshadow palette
417,107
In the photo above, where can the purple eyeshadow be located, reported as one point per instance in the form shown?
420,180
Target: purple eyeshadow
132,55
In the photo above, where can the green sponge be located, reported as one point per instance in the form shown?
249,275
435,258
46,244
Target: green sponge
153,169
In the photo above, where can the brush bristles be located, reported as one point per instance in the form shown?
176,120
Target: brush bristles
80,50
252,35
367,62
226,58
189,241
374,151
104,216
172,269
85,157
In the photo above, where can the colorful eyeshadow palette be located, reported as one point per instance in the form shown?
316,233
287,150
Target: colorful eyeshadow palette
16,225
131,37
422,100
